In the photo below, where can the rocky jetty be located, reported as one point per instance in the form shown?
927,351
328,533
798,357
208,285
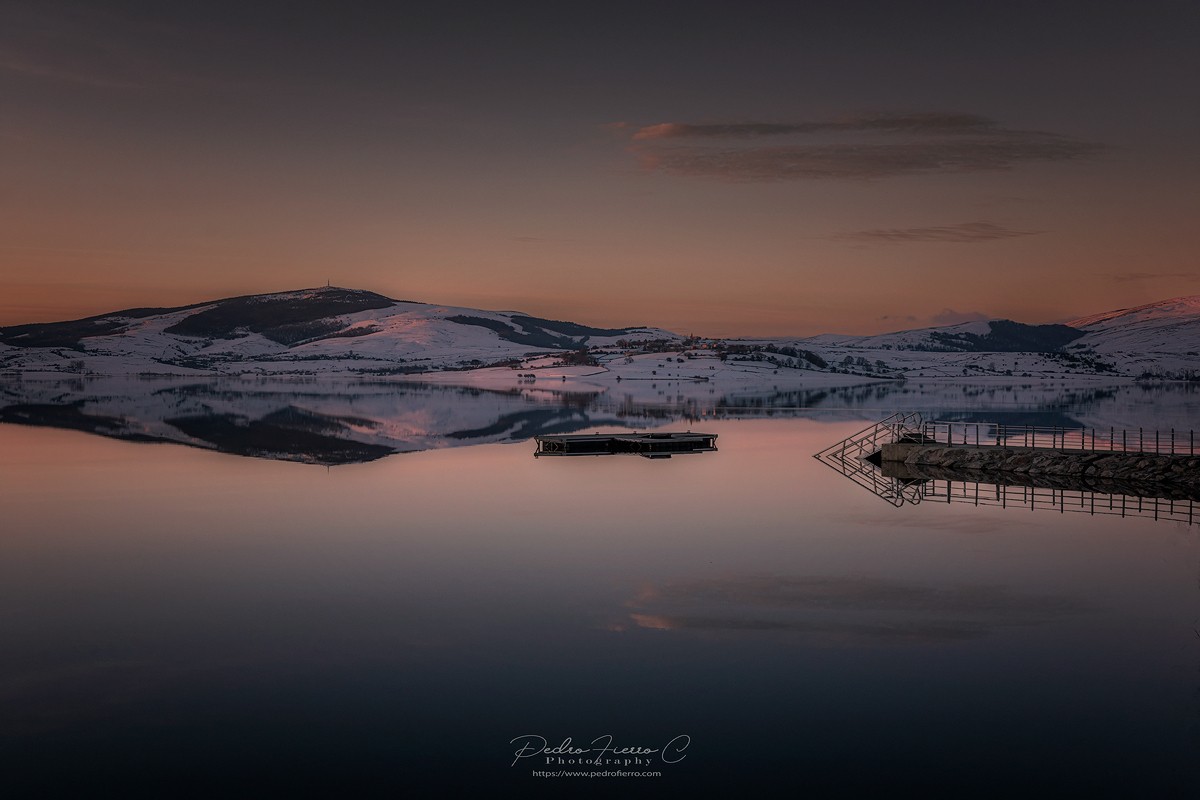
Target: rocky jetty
1137,467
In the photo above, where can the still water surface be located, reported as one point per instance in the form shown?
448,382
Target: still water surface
181,622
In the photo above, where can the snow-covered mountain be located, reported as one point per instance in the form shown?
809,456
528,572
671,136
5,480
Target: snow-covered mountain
1163,335
336,331
990,336
1160,338
323,330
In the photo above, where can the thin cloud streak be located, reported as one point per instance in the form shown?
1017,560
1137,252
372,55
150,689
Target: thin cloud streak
911,144
1126,277
964,232
948,316
14,63
853,161
99,49
890,123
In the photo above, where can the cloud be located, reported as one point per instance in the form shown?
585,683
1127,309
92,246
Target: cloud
97,48
1125,277
898,318
948,316
538,240
28,67
949,630
892,123
964,232
74,44
864,147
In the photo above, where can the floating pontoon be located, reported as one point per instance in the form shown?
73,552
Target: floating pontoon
648,445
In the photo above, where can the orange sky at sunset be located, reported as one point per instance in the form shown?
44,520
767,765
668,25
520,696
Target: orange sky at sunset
697,169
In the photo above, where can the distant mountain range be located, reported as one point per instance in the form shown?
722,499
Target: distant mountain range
332,330
1156,339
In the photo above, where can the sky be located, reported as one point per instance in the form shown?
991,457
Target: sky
723,169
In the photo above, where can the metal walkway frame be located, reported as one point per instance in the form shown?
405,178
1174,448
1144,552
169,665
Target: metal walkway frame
849,457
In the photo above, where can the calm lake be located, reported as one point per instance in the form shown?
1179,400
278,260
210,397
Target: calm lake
178,621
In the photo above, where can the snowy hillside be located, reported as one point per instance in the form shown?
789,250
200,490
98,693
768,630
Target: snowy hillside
1161,336
345,332
991,336
313,331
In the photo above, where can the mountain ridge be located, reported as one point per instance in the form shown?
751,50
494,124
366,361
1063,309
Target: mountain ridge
1174,306
338,330
330,324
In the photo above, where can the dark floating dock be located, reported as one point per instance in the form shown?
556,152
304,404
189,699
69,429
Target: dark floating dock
647,445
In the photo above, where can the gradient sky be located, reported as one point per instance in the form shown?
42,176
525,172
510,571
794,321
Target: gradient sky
717,168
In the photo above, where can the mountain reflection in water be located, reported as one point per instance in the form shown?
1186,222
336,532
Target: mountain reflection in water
345,422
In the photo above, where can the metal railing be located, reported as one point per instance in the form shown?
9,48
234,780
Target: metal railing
1095,440
871,440
849,457
1040,498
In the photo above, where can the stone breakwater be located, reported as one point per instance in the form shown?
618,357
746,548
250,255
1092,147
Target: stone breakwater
1135,467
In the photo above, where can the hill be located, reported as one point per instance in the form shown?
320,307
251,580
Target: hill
337,331
327,329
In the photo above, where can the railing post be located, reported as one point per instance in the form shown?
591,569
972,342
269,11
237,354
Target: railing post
1172,441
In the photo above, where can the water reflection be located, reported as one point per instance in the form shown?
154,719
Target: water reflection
341,422
320,423
177,620
845,609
